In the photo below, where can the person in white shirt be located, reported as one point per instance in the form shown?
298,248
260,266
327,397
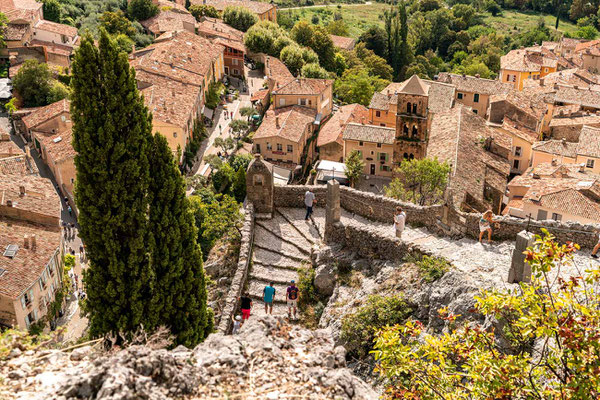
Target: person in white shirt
309,200
399,221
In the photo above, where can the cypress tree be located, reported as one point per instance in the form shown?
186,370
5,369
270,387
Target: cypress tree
179,294
111,133
239,185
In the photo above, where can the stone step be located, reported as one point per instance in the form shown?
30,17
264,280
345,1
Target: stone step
269,257
258,309
267,240
267,273
318,220
295,217
285,232
255,288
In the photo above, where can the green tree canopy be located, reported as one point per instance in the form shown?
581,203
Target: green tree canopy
421,182
35,86
141,10
262,38
375,39
337,27
239,185
177,296
314,70
116,23
357,86
239,17
239,127
355,167
111,135
51,10
201,10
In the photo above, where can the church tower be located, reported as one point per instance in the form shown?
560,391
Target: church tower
411,120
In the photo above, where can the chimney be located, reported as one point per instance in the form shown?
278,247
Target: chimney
554,162
277,122
564,141
32,242
362,120
26,241
8,203
22,190
541,81
576,87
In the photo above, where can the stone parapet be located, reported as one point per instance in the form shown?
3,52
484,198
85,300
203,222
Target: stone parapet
241,273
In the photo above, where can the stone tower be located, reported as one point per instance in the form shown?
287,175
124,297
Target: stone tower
411,120
259,185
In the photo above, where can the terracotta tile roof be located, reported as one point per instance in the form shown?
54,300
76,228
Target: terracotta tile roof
53,48
572,77
530,59
46,113
519,130
16,31
169,21
172,6
18,165
54,27
560,111
369,133
277,72
557,147
413,85
332,130
259,94
24,269
342,42
586,45
59,146
571,42
183,57
287,122
456,137
8,148
589,142
472,84
169,101
582,96
214,27
40,197
575,120
513,203
254,6
569,200
7,5
234,44
530,100
304,86
440,95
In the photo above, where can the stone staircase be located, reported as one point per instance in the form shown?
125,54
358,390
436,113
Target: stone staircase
282,244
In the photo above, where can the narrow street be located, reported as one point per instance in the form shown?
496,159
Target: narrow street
255,80
74,322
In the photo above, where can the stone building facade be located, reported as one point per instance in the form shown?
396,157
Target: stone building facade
259,185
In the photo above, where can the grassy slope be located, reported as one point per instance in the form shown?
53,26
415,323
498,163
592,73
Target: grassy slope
359,18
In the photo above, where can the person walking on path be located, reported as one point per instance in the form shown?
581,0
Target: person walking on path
485,225
246,303
309,200
596,247
292,299
269,297
237,322
399,221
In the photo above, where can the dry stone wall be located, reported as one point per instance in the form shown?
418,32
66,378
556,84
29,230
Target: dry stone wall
241,273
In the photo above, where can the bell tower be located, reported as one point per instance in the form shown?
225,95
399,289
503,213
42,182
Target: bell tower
411,120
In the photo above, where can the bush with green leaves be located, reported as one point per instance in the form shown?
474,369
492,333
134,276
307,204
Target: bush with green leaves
359,329
35,85
432,268
213,96
141,10
202,10
239,17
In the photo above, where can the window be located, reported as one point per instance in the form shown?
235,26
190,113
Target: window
309,102
556,217
507,78
360,143
378,113
27,298
379,145
257,180
542,215
514,78
415,131
589,163
235,61
405,129
476,98
383,157
30,318
459,96
290,148
474,111
174,134
545,69
382,124
279,147
236,72
281,102
269,146
302,102
414,108
43,280
257,148
408,108
516,164
518,151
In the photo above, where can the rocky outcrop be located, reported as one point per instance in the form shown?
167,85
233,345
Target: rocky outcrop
269,359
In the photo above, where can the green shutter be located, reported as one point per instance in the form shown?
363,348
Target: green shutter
387,157
378,155
381,167
360,153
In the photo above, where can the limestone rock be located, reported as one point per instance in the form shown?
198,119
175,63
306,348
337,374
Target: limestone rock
325,279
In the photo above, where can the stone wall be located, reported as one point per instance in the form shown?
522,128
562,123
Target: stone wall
241,273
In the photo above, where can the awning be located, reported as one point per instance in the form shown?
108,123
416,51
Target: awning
208,112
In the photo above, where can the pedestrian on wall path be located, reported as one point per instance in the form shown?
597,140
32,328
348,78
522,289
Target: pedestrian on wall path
485,225
246,306
292,299
399,221
309,201
269,297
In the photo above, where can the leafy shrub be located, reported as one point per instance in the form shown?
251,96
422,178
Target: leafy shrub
306,284
433,268
360,328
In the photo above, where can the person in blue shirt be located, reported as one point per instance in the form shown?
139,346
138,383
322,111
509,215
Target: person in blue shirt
268,297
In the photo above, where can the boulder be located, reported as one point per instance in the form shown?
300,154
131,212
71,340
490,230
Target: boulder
325,277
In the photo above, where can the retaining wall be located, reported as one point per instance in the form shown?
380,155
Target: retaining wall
241,273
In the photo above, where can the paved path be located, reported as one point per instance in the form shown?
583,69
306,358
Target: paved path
490,262
281,246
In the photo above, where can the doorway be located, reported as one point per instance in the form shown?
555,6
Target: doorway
372,169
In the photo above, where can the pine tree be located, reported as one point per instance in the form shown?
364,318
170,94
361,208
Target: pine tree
179,292
239,185
111,133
